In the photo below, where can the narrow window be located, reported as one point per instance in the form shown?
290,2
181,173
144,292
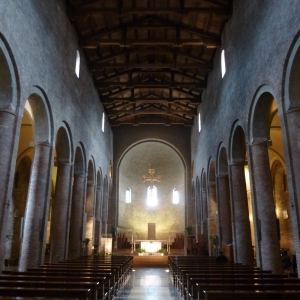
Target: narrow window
223,64
175,196
128,195
103,121
199,122
77,66
151,196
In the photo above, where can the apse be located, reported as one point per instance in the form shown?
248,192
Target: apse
152,175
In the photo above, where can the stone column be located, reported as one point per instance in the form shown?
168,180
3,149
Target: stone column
33,244
264,206
76,220
224,210
292,146
90,211
204,218
60,214
241,225
212,217
7,137
98,220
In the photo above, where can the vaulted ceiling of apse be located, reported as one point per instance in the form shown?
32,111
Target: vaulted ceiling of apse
149,59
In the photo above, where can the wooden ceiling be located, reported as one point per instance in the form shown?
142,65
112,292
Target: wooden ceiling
150,59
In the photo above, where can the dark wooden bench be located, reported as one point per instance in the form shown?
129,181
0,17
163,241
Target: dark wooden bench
181,277
251,295
109,288
194,284
243,287
66,293
98,285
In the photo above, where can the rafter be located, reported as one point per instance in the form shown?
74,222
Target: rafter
133,100
154,66
151,85
177,43
137,112
82,11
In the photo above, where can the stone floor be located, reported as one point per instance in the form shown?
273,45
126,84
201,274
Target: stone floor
149,284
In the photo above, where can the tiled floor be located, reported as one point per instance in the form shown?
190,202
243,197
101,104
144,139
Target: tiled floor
150,284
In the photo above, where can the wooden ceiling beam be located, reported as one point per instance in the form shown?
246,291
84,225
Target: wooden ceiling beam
151,66
186,123
176,43
149,72
150,85
138,112
132,100
82,11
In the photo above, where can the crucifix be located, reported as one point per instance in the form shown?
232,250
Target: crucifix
151,178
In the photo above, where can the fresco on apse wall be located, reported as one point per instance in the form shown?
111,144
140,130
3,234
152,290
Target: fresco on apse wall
168,217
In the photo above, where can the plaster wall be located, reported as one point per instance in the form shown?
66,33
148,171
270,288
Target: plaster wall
44,44
168,217
256,41
175,137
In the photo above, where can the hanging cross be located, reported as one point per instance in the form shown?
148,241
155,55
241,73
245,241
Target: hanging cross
151,178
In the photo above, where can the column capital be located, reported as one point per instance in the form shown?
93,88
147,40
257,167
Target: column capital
46,144
8,111
79,175
91,182
259,141
236,163
292,110
222,176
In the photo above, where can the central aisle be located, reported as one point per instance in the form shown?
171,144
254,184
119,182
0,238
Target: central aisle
150,284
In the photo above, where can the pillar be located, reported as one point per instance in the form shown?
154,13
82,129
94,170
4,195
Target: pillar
90,211
212,219
224,210
105,213
266,227
33,243
7,137
60,214
292,143
76,220
204,218
98,224
241,225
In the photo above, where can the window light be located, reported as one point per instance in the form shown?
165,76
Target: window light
199,122
103,121
175,196
128,195
77,66
151,196
223,64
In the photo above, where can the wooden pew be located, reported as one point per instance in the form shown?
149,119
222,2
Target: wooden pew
194,284
108,290
243,287
251,295
98,287
53,293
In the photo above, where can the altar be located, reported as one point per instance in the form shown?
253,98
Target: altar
151,246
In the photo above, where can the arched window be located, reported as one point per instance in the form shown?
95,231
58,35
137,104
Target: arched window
151,196
175,196
128,195
199,122
77,66
103,121
223,64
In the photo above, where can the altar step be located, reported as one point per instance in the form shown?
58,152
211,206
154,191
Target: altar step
150,261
